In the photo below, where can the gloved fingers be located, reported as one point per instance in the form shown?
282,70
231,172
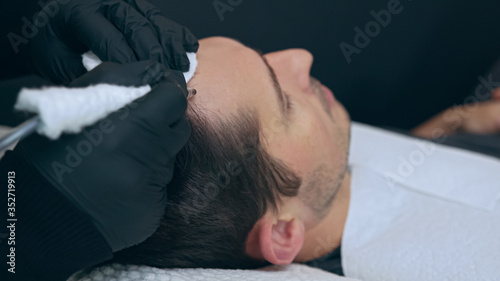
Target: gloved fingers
103,38
150,72
152,128
58,63
189,41
165,104
138,31
176,142
129,74
175,39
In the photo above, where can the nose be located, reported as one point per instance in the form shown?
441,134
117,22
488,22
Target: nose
292,65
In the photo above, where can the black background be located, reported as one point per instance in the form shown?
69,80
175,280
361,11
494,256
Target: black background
428,57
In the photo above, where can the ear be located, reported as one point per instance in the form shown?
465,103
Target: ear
277,242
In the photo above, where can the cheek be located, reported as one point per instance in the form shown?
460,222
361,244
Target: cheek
299,158
309,141
314,126
322,140
305,145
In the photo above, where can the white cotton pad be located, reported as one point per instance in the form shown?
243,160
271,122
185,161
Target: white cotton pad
193,64
90,60
69,110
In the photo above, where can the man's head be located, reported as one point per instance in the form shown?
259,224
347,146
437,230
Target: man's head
267,155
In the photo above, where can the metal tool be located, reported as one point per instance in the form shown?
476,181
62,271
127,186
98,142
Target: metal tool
19,132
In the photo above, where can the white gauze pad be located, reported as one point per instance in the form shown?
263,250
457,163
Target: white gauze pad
69,110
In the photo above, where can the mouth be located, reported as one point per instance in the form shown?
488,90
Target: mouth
324,94
329,95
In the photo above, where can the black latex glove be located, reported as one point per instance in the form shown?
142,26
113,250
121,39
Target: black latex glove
116,171
119,31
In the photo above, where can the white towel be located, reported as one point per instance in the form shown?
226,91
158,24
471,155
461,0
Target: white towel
420,211
292,272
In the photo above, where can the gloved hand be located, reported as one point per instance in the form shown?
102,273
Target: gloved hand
119,31
116,171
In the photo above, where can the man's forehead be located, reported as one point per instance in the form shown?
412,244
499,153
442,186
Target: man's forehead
231,76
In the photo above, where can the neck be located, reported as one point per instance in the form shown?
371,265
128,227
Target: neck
327,234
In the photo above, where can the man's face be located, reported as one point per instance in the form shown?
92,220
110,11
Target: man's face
311,136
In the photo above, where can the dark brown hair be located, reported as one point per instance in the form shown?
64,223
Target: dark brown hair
224,181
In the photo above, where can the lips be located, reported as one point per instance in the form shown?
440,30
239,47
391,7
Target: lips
324,94
329,95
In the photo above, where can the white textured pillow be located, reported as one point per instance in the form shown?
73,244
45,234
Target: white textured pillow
292,272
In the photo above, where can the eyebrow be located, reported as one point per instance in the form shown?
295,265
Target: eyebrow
277,87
